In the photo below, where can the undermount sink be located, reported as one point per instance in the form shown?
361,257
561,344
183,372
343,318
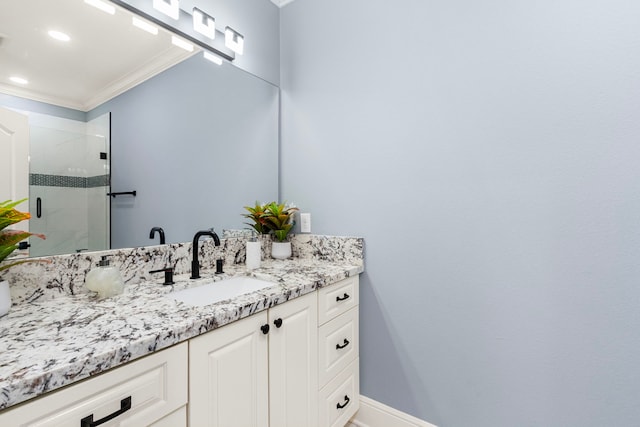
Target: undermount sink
219,291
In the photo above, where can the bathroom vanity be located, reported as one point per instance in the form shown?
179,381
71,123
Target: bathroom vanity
284,355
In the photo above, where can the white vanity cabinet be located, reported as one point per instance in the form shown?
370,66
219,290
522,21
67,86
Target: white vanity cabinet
338,345
257,372
151,391
295,365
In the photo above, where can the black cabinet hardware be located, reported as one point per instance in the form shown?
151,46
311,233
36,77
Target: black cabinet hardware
123,193
38,207
265,328
345,343
277,322
125,405
346,402
342,298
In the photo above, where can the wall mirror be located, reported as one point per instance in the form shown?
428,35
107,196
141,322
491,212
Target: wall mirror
195,140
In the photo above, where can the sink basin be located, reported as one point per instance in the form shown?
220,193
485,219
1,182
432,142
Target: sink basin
219,291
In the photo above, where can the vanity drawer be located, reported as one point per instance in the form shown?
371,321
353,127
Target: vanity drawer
340,399
338,345
336,299
156,386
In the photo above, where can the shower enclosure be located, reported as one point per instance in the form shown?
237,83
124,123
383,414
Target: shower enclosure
69,178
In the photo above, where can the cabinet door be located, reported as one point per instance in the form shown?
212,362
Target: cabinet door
141,392
228,376
293,363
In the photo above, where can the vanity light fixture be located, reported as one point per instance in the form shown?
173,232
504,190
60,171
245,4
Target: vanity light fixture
171,8
234,40
213,58
144,25
103,6
19,80
59,35
177,41
203,23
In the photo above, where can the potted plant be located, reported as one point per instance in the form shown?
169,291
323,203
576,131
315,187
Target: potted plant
257,216
279,219
9,240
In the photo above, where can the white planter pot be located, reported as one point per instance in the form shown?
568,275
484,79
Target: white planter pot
5,298
281,250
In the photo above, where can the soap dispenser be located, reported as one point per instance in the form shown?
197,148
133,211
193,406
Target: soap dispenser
254,252
105,280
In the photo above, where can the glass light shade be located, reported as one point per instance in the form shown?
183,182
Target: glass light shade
234,40
203,23
171,8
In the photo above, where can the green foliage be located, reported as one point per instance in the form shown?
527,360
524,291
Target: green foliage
279,219
9,239
256,214
275,218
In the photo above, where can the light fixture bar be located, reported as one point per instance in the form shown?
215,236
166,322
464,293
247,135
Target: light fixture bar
177,41
144,25
99,4
182,27
171,8
213,58
204,24
234,40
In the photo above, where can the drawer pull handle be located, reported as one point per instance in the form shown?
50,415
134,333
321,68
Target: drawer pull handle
342,298
125,405
346,402
265,328
277,322
340,347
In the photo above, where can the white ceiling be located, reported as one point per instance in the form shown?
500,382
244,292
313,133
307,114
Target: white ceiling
106,55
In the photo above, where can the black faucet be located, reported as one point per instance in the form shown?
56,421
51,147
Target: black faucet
159,230
195,265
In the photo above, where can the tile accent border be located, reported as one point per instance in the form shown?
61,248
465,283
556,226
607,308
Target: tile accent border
40,179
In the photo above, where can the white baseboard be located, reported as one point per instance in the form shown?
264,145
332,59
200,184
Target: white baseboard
376,414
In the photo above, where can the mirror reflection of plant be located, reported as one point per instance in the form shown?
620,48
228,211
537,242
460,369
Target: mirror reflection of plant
256,214
9,239
279,219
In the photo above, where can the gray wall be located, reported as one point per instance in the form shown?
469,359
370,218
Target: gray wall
488,153
197,142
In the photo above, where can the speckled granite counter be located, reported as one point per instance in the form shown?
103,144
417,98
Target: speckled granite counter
47,344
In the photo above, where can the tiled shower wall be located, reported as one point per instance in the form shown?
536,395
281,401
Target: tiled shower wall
71,180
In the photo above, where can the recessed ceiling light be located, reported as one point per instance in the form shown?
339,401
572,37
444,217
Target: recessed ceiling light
105,7
58,35
171,8
19,80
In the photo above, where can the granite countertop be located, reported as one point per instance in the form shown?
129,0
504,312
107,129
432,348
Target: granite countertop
49,344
